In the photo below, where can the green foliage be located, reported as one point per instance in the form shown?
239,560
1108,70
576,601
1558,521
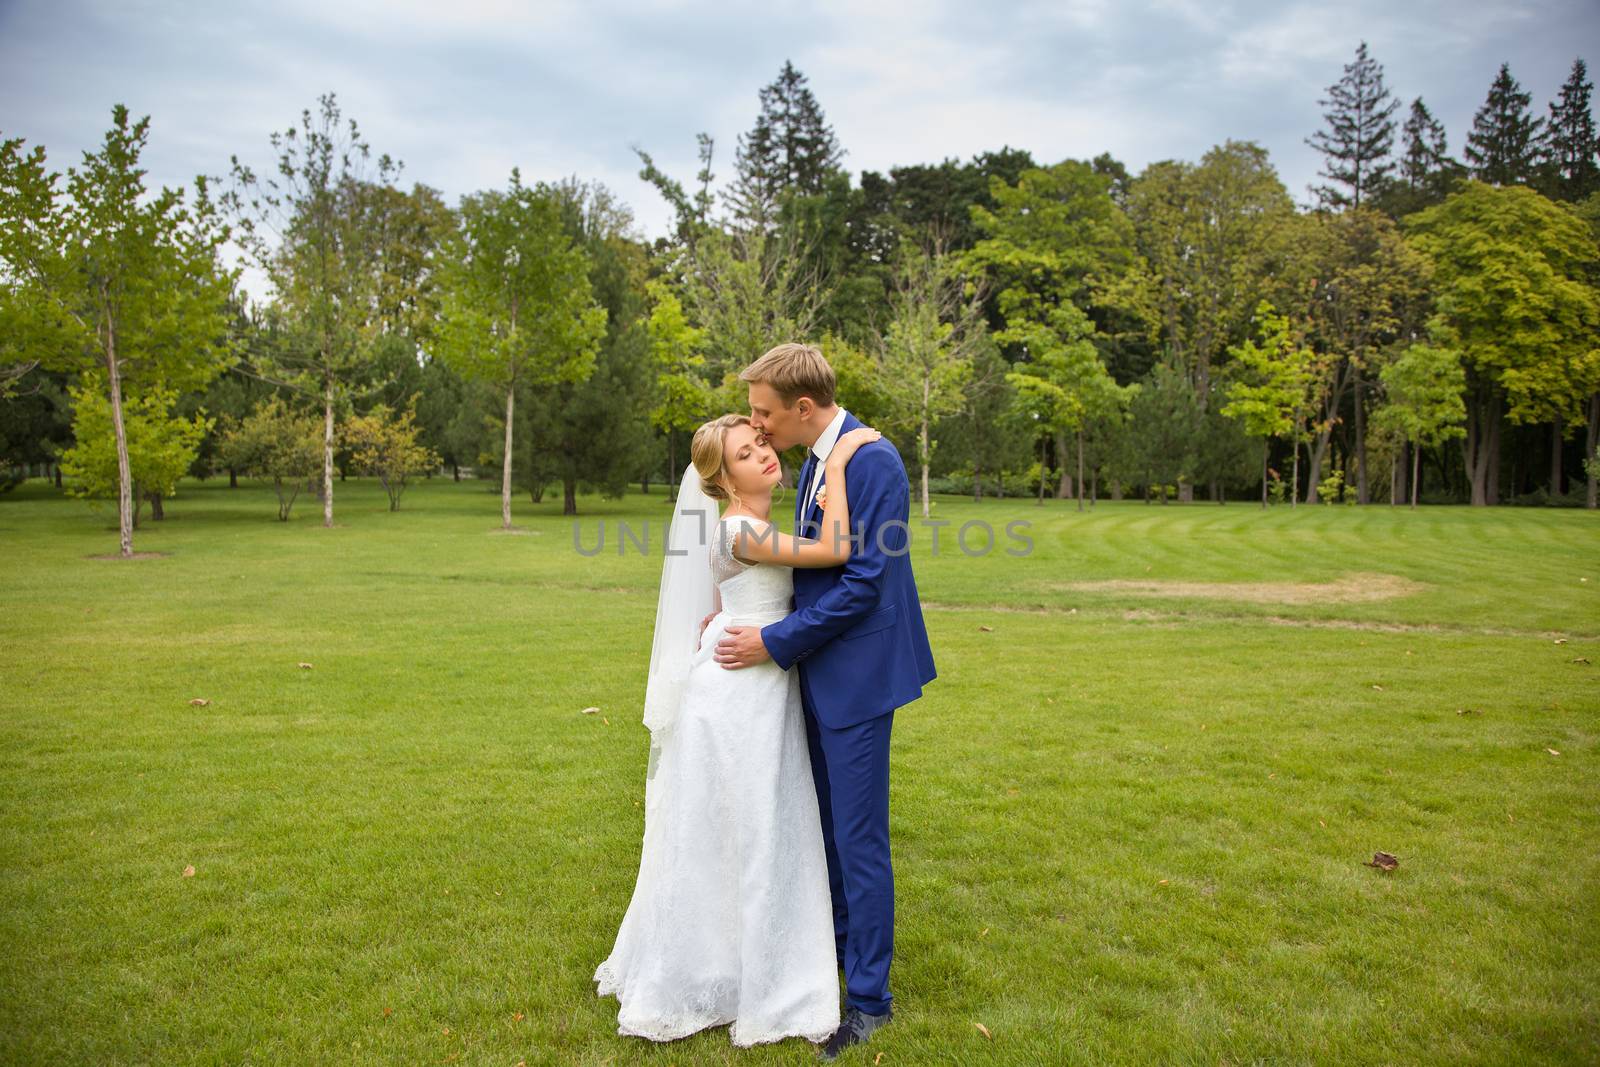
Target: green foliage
1514,295
1423,390
1503,146
1360,131
275,442
160,446
384,443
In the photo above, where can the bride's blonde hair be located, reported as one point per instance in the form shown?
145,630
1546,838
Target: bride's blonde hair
708,453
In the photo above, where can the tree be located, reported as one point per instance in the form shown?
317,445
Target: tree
1424,388
791,148
1503,147
1570,147
1062,380
596,431
113,279
1359,135
684,400
275,442
1213,239
1367,283
517,307
311,231
154,448
1425,172
1516,299
1267,393
935,330
384,443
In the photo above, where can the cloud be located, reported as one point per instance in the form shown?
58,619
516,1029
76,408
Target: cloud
464,90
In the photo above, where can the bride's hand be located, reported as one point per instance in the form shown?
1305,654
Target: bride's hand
846,445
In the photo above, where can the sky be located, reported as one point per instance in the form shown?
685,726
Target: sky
463,90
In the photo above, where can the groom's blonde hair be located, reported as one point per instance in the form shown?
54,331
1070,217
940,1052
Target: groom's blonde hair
794,370
707,453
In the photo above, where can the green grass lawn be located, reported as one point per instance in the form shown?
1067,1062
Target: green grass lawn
1127,826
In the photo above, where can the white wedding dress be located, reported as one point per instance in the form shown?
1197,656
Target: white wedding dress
731,919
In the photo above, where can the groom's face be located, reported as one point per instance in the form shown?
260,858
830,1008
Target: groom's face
783,427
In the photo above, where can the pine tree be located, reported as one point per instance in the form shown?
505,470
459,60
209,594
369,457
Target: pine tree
1360,133
791,149
1503,146
1569,147
1424,154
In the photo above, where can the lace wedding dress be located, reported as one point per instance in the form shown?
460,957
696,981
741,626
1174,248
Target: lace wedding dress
731,919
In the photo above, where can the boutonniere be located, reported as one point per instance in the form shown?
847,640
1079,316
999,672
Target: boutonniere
822,495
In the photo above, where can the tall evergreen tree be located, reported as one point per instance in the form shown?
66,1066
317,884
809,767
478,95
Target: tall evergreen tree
1425,154
1503,147
791,148
1359,135
1570,147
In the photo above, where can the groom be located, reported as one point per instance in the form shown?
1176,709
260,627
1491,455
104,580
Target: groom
858,635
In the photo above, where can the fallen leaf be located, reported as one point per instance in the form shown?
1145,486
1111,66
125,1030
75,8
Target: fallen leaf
1322,824
1274,774
188,872
1383,861
984,1030
517,1017
986,629
1162,882
1581,659
199,702
305,666
605,720
1552,752
877,1059
1379,688
388,1010
589,711
1561,640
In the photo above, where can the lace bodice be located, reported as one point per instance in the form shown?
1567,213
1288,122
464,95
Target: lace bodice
749,589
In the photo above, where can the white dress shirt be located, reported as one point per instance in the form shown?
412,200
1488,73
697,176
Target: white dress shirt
824,445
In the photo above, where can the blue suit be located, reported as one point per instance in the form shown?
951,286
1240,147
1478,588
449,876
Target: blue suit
859,639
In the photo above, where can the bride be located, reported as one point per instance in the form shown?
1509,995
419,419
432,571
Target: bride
731,919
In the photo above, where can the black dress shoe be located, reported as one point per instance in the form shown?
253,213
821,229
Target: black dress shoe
854,1029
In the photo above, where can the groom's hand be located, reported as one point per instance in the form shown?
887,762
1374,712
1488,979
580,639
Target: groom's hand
742,647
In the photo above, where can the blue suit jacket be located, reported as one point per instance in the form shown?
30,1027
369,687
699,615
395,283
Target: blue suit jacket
857,629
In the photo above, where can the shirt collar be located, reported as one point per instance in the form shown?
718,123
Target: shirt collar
829,436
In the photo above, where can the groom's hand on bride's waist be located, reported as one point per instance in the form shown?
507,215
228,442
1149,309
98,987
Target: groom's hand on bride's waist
742,647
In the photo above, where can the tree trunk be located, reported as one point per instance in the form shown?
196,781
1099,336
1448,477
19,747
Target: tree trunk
1416,472
327,453
1064,483
569,502
1361,440
1555,457
1266,447
1591,461
1080,468
505,471
58,483
124,469
924,452
1492,486
455,471
156,512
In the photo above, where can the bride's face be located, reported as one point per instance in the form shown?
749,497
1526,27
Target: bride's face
751,461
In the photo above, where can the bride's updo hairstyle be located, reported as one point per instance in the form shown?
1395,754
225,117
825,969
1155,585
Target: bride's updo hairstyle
707,450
